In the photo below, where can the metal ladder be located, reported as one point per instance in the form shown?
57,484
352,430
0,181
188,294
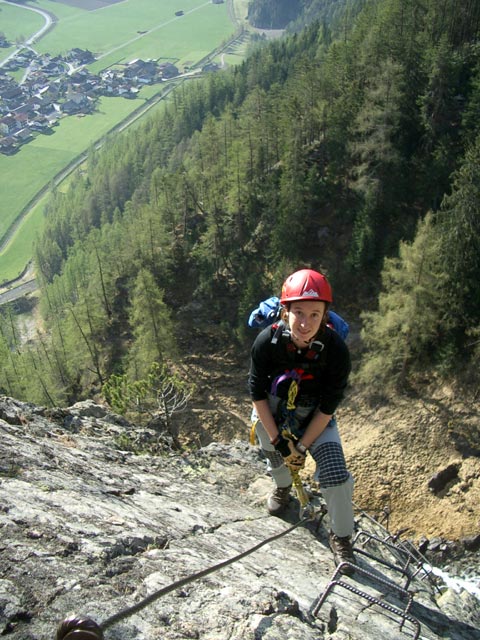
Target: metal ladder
407,561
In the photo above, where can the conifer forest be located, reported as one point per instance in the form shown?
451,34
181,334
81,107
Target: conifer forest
350,144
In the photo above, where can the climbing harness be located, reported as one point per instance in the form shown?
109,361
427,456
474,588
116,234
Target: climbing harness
288,418
83,628
283,334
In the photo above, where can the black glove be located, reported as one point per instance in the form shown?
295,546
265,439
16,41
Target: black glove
282,446
290,454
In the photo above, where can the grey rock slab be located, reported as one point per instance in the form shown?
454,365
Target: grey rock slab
89,528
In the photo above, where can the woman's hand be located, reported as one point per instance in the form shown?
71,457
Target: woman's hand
290,454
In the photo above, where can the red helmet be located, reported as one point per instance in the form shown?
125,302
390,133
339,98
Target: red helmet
306,284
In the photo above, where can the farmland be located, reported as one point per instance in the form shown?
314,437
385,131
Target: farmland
115,33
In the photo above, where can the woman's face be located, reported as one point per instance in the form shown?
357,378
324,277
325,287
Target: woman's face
304,319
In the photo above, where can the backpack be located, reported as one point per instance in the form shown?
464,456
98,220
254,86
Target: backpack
268,312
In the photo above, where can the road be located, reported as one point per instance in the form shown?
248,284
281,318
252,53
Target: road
18,292
49,22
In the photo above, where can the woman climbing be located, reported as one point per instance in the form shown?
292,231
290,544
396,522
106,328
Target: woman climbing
298,375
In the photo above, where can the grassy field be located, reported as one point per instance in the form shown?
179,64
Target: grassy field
22,176
25,236
139,29
116,33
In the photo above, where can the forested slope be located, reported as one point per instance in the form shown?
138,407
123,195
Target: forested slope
354,152
295,14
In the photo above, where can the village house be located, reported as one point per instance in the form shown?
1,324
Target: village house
210,66
22,118
42,106
5,78
53,91
24,108
22,136
41,124
8,146
83,81
12,95
11,65
22,61
167,70
8,125
34,83
114,84
141,71
80,56
53,68
77,103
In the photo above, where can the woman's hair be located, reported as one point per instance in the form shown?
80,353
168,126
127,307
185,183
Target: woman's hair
286,307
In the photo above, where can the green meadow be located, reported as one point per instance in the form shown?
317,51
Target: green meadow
37,163
117,34
139,29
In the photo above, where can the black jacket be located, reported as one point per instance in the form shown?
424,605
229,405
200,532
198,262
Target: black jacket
322,375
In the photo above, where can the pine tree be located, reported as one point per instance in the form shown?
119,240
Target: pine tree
401,335
152,328
459,230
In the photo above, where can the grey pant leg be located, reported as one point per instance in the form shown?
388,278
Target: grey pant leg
279,472
340,508
335,480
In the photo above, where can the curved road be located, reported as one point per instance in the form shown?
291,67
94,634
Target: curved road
49,22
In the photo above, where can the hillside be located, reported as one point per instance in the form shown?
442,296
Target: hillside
169,546
306,154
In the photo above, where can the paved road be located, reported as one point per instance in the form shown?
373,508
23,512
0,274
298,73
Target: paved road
18,292
49,21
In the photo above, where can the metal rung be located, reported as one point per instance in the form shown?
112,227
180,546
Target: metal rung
408,558
404,615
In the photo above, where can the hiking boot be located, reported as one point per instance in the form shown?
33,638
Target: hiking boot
342,552
278,500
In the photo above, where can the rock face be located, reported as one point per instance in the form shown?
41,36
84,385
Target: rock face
90,525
